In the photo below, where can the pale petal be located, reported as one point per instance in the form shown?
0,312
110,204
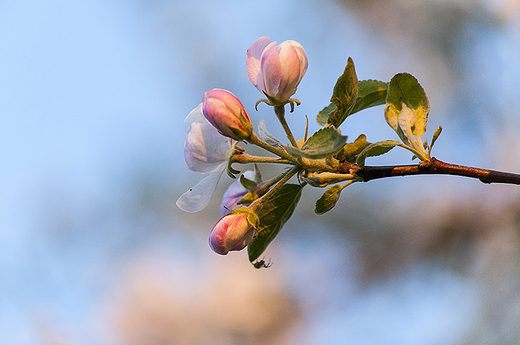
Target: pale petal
271,69
205,148
253,62
199,196
235,192
196,115
304,61
290,71
266,136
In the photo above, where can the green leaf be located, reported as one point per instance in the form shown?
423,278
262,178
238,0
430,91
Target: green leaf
351,150
370,94
328,199
324,143
405,89
344,95
376,149
323,115
273,215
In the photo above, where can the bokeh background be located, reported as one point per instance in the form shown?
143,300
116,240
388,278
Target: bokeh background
93,249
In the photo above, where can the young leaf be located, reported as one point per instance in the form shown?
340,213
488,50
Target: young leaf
323,115
436,134
328,199
324,143
406,122
405,89
370,94
376,149
344,95
273,215
351,150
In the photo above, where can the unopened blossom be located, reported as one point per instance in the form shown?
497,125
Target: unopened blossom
233,231
206,151
227,114
236,191
275,70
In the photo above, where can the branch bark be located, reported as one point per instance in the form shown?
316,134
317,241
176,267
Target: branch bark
436,167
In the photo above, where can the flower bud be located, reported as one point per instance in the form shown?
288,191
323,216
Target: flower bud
233,231
275,70
225,112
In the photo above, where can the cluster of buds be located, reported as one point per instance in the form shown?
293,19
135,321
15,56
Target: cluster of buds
221,121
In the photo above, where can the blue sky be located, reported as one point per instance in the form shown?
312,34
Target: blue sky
92,100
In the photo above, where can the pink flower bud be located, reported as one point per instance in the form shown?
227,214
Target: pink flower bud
275,70
233,231
225,112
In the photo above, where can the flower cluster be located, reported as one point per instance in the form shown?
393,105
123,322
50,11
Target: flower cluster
253,210
219,123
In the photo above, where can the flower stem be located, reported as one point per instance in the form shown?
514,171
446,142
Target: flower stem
279,110
255,140
287,176
244,158
264,186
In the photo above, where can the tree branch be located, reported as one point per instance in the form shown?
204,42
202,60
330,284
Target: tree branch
434,167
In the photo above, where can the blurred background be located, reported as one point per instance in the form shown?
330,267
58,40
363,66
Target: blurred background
93,249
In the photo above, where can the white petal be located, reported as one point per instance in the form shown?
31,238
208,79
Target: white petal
264,134
199,196
196,115
205,148
253,61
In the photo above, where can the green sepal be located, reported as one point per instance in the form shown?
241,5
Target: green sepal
328,200
351,150
230,171
248,198
344,95
405,89
252,186
252,217
376,149
247,183
325,142
273,215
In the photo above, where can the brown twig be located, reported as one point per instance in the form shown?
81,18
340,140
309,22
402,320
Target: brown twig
435,166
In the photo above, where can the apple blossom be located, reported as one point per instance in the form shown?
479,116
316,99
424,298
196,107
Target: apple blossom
233,231
275,70
207,152
225,112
